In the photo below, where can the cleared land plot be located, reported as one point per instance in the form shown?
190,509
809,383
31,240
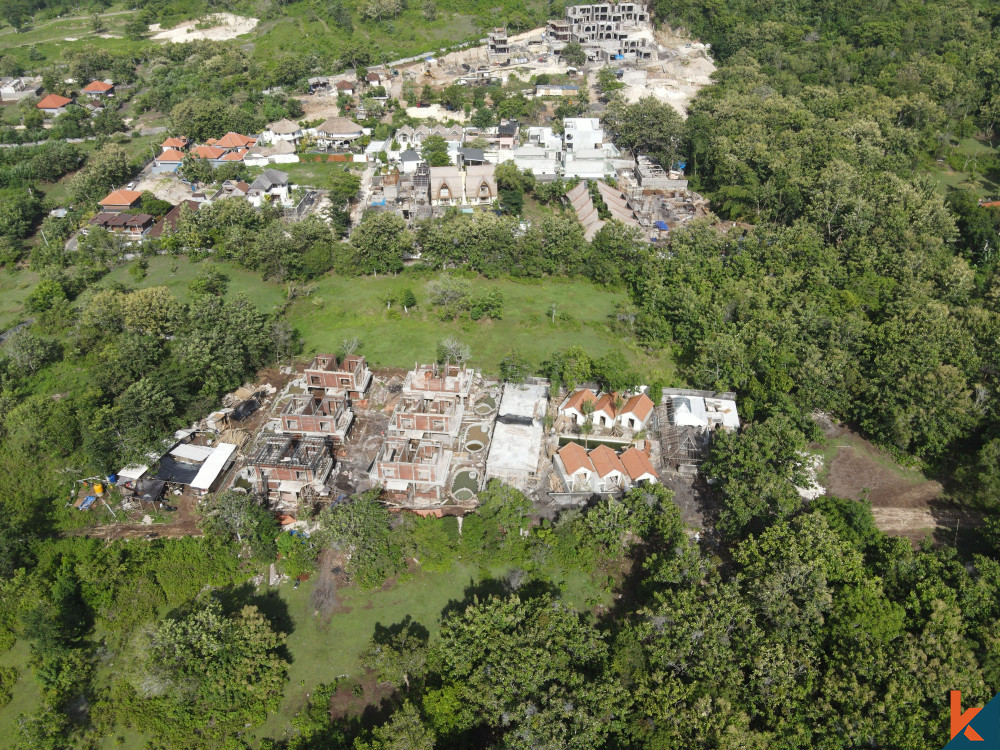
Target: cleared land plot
340,308
904,501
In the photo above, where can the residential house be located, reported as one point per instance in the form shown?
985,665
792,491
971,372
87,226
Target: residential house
282,152
210,153
53,105
636,412
118,201
438,418
572,407
345,87
446,186
432,380
283,130
131,227
415,470
606,31
269,185
168,223
638,467
99,89
167,160
286,467
349,375
234,156
471,157
230,189
574,467
178,143
319,85
374,79
93,107
232,142
409,160
406,136
480,184
317,416
337,132
543,162
582,133
507,132
609,472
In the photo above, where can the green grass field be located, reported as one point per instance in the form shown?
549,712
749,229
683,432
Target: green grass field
341,308
177,273
13,290
322,651
312,173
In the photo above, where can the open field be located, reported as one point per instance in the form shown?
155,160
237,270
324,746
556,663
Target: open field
312,173
340,308
13,290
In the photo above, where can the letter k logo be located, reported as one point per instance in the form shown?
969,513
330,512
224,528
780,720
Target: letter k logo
960,721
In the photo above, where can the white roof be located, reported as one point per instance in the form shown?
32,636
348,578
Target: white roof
689,411
213,466
515,449
188,452
132,472
723,411
523,401
289,485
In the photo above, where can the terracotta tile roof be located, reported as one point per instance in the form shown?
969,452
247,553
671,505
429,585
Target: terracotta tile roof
345,85
641,405
98,87
606,404
605,461
53,101
171,154
121,198
175,142
576,400
575,458
232,140
235,155
637,464
208,152
170,220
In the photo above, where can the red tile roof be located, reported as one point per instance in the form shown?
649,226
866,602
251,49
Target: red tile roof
637,464
641,405
345,85
121,198
208,152
574,458
98,87
175,142
53,101
606,404
170,220
232,140
605,461
576,400
235,155
171,154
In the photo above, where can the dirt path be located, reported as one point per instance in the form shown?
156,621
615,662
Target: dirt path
137,531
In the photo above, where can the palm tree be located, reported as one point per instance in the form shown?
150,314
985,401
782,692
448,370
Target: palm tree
585,429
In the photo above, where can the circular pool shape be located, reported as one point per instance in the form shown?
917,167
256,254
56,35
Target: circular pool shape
474,446
464,495
476,438
483,409
466,480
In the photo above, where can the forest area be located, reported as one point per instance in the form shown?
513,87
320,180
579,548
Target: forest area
837,278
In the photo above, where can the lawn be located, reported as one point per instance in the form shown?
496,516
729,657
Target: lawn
27,694
177,273
14,287
340,308
312,173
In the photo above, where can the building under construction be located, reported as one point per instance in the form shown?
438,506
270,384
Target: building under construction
687,420
287,468
606,31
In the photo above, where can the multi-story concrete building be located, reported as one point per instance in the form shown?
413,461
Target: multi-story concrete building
281,467
434,380
317,416
606,31
349,375
416,470
497,43
438,418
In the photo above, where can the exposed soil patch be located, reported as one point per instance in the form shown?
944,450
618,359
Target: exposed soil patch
372,705
904,502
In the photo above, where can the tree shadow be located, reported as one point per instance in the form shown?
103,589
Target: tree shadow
233,598
483,589
386,634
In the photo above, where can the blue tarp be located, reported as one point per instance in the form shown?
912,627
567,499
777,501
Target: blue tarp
681,165
663,226
87,502
379,203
